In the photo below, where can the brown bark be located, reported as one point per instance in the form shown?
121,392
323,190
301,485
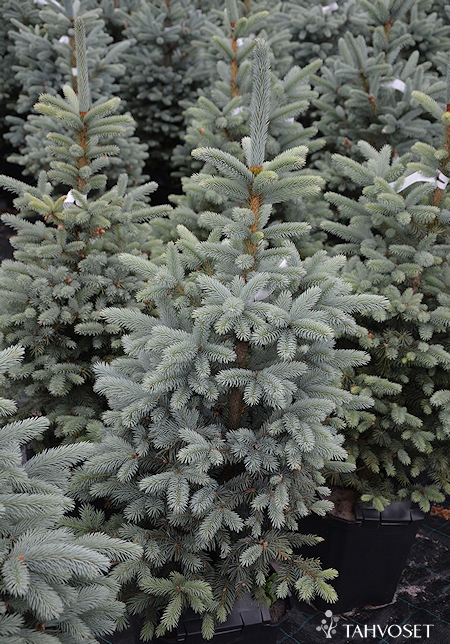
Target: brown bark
236,401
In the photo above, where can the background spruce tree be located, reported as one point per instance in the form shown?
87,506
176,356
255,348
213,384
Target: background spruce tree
220,116
64,270
396,237
53,585
42,58
315,27
6,78
366,86
218,436
160,72
9,89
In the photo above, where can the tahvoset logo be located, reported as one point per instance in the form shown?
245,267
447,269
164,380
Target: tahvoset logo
328,627
354,631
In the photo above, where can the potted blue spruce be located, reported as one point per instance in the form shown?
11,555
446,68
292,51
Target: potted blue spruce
396,238
219,430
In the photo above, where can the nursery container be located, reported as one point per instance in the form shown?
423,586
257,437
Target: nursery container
369,552
249,622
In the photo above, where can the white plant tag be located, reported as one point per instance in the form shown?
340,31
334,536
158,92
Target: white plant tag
241,41
329,8
263,293
74,71
396,84
71,201
442,181
260,295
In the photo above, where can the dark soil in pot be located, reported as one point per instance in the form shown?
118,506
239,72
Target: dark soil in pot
278,610
344,503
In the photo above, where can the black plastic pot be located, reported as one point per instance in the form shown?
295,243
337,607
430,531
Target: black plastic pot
370,553
248,623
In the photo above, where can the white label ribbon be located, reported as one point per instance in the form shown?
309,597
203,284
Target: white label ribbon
441,180
44,2
396,84
329,8
263,293
241,41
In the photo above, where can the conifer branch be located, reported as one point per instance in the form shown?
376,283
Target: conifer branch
68,8
388,26
446,118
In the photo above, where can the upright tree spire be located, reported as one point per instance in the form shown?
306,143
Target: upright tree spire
84,88
221,118
233,13
260,105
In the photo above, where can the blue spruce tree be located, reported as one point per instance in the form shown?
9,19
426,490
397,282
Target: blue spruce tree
396,237
54,587
65,269
43,58
218,435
